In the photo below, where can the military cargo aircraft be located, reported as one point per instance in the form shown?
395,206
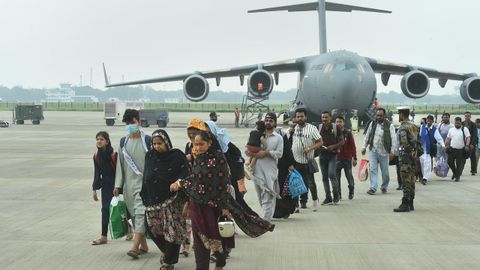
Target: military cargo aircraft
342,82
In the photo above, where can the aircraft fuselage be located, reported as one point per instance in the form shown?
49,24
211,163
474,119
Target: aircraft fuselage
340,80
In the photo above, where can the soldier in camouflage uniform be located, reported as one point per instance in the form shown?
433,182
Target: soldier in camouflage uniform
410,149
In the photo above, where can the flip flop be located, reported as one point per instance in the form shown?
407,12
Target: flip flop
132,253
142,251
99,241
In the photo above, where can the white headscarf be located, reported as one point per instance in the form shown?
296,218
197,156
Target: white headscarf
221,134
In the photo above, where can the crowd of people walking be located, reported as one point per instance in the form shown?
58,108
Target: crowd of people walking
173,195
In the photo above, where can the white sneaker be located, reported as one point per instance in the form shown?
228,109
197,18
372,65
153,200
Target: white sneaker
315,206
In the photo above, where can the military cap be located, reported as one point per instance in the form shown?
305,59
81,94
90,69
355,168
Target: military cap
404,110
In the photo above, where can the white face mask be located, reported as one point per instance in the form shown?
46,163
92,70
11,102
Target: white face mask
131,129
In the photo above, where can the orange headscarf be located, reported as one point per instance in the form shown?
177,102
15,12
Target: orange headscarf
197,124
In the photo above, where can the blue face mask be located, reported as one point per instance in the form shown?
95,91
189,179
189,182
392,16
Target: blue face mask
131,129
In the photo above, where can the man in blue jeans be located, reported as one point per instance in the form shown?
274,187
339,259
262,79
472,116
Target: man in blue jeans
380,140
333,140
345,158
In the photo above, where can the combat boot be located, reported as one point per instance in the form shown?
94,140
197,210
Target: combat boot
404,207
411,205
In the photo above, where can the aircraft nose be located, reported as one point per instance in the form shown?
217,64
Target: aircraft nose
346,87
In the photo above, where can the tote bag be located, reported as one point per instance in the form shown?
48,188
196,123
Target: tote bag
363,170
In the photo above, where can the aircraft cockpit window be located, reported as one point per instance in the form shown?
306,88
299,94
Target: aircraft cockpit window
340,67
361,68
317,67
343,67
329,67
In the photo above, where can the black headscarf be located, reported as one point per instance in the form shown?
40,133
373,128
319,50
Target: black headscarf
161,170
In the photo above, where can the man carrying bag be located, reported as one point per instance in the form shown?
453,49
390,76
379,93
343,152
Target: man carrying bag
305,139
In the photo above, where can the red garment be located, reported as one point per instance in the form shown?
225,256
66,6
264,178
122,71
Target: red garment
348,150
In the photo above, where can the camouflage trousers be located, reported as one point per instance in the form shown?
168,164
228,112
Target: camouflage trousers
408,180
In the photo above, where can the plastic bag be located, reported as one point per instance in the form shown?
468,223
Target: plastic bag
296,184
118,223
441,167
363,170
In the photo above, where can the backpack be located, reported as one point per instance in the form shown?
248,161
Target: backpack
113,159
335,130
148,142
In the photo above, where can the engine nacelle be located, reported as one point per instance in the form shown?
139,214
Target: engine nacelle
260,83
415,84
470,90
195,88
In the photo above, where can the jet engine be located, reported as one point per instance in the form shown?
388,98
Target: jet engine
195,88
470,90
415,84
260,83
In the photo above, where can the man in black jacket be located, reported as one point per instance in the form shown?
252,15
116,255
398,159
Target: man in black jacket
468,123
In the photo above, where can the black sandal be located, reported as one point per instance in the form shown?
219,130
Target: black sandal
167,266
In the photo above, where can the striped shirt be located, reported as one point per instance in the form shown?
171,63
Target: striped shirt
304,137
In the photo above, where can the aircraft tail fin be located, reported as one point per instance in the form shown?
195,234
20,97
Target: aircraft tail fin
321,6
105,75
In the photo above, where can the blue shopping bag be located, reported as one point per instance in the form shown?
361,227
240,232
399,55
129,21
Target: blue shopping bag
296,184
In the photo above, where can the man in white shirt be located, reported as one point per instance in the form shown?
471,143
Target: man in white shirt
429,136
443,129
305,139
458,139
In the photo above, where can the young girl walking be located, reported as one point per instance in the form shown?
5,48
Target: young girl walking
104,161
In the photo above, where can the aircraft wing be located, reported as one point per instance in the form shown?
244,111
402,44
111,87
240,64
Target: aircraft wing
293,65
400,69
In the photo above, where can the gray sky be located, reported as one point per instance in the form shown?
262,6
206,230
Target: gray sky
47,42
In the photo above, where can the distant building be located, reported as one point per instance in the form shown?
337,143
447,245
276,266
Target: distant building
64,94
85,99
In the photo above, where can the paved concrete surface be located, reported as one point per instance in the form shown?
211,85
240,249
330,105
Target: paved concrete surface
48,217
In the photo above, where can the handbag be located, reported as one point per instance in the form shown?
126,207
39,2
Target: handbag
394,161
433,149
363,170
118,223
466,154
286,187
312,166
433,145
226,227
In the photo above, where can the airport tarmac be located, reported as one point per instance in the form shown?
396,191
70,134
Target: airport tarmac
48,217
